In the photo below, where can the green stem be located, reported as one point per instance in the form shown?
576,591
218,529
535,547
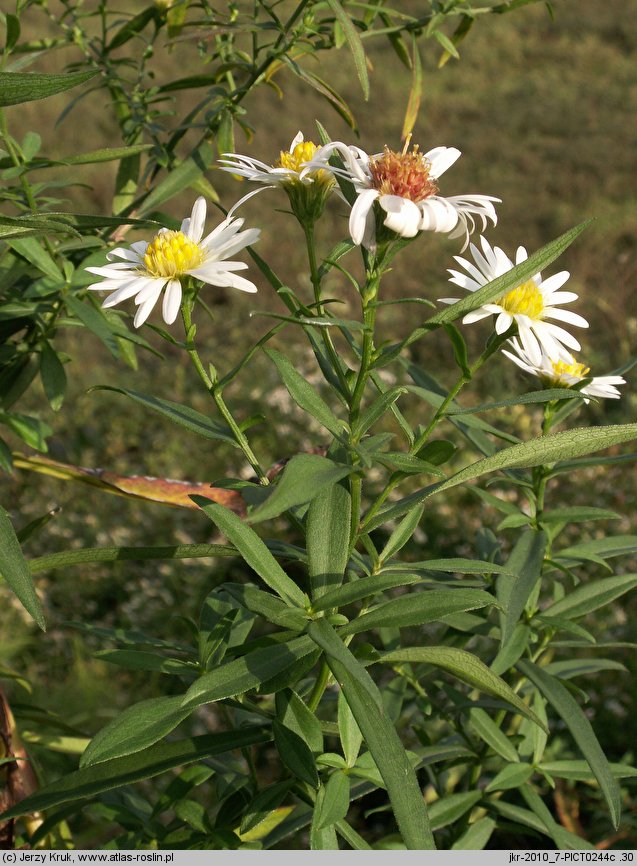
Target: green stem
212,385
370,293
308,228
319,687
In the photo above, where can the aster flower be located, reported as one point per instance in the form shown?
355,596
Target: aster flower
405,186
529,305
148,269
307,190
565,372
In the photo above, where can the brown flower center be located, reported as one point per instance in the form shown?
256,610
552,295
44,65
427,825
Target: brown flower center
404,174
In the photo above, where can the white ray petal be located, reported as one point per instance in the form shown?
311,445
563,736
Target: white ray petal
360,213
403,216
145,309
172,301
441,158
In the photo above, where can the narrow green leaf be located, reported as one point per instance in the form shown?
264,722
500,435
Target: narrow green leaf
179,178
599,549
15,570
161,758
321,840
578,514
104,154
580,771
263,804
32,250
356,46
579,726
19,87
303,477
537,452
467,668
348,731
95,321
545,396
401,534
328,526
53,377
295,754
304,395
335,801
515,277
476,837
376,410
448,809
133,26
400,574
31,430
269,606
511,776
591,596
512,650
116,554
182,415
295,715
380,735
136,728
419,608
135,660
492,735
246,672
143,724
253,550
513,592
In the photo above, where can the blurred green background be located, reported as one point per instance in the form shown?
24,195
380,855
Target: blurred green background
545,113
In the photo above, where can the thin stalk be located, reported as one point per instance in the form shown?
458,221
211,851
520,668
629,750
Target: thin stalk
308,228
211,383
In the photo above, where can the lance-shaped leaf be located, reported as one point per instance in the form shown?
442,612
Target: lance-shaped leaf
515,277
19,87
418,608
303,478
91,781
513,589
182,415
143,724
467,668
380,735
15,570
304,395
537,452
253,550
328,525
591,596
354,40
579,726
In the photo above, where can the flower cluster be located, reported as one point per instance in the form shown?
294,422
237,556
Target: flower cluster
541,347
391,195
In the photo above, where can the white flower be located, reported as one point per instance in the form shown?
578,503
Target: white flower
529,305
565,373
405,186
149,268
287,170
307,190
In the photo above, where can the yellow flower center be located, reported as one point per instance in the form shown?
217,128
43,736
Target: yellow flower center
562,368
293,160
525,300
172,254
403,174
